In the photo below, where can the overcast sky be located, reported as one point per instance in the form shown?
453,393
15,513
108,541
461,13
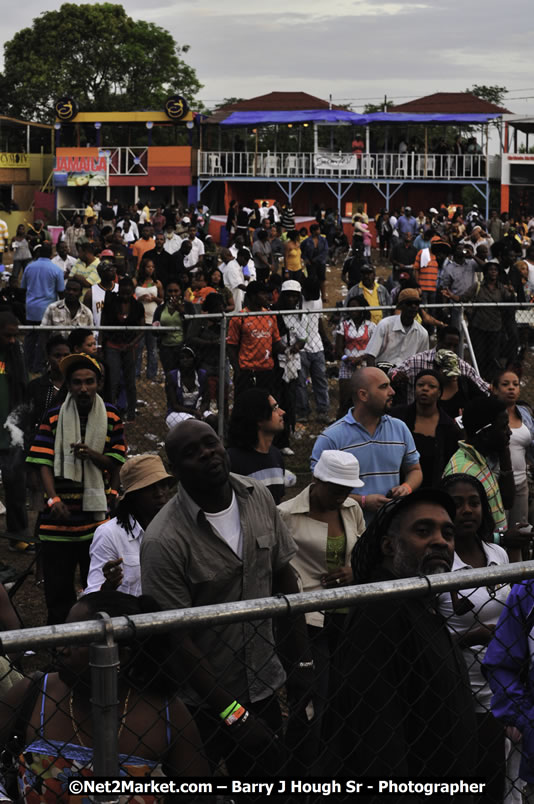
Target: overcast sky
355,50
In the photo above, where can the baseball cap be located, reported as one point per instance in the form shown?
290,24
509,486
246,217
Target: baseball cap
291,285
335,466
141,471
409,294
107,253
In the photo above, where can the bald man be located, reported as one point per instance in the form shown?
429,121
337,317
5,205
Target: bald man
389,461
219,540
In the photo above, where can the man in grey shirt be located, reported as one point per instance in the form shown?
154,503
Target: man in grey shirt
457,277
220,540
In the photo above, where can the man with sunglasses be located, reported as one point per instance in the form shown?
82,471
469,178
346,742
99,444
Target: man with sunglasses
485,453
398,337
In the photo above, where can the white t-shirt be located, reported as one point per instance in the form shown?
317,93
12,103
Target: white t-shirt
197,251
488,604
314,342
172,244
519,443
227,524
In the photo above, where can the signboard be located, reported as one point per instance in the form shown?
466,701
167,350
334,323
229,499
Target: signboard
176,107
335,162
522,174
81,171
66,109
10,160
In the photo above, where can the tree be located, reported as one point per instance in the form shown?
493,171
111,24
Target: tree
372,108
228,102
97,55
492,94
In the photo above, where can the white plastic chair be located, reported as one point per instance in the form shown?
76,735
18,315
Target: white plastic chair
215,164
368,165
402,165
270,165
292,165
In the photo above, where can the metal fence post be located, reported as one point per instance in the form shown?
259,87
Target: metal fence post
104,662
222,375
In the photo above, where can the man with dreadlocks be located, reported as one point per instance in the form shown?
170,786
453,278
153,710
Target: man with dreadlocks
117,543
406,704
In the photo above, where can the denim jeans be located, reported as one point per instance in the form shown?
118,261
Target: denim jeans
116,360
34,349
312,365
151,343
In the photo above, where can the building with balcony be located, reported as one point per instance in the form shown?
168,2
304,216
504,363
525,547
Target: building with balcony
297,148
128,156
517,169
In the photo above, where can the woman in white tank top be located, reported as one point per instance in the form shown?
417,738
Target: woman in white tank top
149,291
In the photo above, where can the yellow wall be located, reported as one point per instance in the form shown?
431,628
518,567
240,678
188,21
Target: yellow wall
13,219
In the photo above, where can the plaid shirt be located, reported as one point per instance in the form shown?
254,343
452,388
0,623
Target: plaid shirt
467,460
425,360
58,313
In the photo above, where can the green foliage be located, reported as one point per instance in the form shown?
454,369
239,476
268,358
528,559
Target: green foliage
96,54
492,94
228,102
372,108
471,196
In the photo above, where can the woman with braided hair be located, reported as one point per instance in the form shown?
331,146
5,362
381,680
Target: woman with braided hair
472,615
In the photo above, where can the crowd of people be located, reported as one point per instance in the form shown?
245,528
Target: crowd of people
424,470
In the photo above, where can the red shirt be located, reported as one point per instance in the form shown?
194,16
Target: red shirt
255,336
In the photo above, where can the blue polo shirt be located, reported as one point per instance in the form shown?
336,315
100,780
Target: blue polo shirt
381,456
43,281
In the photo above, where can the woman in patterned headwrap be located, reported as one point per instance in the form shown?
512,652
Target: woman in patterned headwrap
458,389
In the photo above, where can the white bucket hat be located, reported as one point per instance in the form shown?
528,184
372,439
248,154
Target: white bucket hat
341,468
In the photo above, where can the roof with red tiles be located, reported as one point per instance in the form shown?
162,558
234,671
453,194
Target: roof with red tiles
449,103
273,101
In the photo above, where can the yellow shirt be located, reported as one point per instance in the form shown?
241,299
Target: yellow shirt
89,212
371,297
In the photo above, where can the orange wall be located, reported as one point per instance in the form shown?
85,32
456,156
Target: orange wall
170,155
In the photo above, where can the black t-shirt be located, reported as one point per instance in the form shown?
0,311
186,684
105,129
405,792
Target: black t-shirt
267,467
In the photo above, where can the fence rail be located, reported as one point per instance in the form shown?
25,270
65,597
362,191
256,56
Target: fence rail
120,628
336,164
106,635
522,313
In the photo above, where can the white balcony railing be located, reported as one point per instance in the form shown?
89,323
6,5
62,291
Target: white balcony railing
374,166
126,161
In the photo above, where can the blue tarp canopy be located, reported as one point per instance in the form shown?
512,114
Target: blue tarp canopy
409,117
302,116
334,116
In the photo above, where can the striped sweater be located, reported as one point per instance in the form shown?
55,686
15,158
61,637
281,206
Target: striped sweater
81,525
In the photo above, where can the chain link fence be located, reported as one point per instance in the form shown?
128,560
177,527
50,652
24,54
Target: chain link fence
109,698
303,357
